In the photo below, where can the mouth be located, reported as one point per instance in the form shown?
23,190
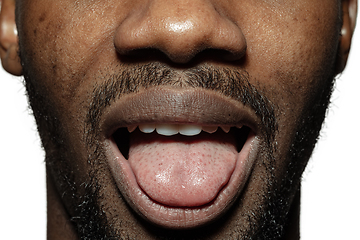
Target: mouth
182,162
181,132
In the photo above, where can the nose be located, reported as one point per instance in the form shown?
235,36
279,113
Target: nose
181,30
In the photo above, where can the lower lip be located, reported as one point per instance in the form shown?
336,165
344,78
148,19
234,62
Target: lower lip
180,217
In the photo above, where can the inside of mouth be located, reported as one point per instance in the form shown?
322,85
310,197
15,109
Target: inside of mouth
122,138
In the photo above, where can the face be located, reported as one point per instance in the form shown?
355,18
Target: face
185,119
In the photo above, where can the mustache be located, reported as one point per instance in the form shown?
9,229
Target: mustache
229,82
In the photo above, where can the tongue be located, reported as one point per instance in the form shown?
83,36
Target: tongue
182,171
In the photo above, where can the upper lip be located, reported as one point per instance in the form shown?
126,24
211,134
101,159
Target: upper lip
173,105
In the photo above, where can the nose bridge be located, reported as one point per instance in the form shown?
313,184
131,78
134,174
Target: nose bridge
180,29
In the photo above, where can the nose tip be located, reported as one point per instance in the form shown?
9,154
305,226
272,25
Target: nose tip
180,30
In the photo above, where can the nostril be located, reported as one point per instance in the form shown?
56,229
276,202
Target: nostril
186,52
155,55
144,55
215,55
235,55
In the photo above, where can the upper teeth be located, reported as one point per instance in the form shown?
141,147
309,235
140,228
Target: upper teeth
183,129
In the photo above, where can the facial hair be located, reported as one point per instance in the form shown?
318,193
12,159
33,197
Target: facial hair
267,221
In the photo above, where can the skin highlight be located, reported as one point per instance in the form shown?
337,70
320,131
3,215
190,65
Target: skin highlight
282,58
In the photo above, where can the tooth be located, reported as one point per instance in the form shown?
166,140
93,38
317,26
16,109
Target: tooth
189,130
239,126
210,129
131,128
167,129
225,128
147,128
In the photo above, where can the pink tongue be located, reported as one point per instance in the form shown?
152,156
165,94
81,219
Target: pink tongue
182,171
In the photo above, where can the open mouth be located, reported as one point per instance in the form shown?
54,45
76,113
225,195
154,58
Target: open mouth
180,173
122,135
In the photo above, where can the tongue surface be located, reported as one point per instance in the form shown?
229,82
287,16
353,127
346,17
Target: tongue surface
182,171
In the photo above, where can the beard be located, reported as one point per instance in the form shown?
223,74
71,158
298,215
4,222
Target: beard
90,212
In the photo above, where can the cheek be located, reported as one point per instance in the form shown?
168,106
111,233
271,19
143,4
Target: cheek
64,46
291,58
292,55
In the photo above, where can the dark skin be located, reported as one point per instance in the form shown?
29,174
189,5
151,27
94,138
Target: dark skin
94,68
